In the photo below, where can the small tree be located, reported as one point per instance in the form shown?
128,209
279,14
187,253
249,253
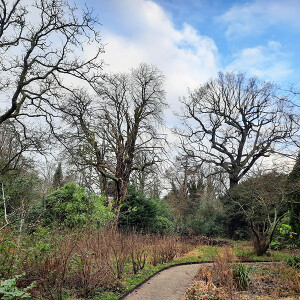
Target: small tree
263,202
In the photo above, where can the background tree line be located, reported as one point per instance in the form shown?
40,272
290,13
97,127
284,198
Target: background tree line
106,130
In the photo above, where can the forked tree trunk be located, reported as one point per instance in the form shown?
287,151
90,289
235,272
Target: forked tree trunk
260,246
261,242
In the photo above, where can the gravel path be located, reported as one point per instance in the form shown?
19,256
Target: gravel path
169,284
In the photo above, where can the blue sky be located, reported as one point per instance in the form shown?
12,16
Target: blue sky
191,40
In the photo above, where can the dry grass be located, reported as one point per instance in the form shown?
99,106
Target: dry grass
276,281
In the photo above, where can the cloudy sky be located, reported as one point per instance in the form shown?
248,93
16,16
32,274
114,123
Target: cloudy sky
191,40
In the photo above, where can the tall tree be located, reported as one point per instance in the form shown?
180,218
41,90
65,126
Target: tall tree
187,187
116,127
293,190
232,121
58,177
42,47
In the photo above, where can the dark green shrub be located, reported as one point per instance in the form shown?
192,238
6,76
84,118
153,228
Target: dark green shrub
207,220
73,206
138,212
163,225
8,261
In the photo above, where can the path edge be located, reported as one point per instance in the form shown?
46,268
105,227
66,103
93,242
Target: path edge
182,264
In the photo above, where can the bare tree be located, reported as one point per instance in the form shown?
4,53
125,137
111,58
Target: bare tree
17,145
232,121
114,129
42,45
263,201
146,176
191,187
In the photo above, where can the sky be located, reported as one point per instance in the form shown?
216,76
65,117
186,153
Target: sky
191,40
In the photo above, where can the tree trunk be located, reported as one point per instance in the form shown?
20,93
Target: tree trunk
260,247
121,188
260,242
233,182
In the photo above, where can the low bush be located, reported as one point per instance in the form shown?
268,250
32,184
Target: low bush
293,261
10,291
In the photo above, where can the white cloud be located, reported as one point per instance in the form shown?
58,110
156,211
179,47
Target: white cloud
254,18
147,34
266,62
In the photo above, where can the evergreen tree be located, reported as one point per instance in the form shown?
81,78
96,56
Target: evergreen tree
58,177
294,197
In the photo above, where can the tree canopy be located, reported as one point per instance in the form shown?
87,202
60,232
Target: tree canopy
232,121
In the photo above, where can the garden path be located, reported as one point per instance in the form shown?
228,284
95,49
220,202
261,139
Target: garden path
169,284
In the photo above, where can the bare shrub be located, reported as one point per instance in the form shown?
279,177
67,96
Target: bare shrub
222,273
90,263
118,245
168,249
184,248
204,240
163,249
137,251
51,271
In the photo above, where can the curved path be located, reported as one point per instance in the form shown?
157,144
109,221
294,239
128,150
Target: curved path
169,284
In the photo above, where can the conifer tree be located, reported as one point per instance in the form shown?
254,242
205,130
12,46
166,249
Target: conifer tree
294,197
58,177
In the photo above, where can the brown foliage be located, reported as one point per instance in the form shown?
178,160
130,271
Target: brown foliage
83,262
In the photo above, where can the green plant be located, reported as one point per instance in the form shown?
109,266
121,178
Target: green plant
276,245
138,212
9,290
241,275
293,261
163,225
8,261
74,207
289,236
285,237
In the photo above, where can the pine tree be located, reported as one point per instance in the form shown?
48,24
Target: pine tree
58,177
